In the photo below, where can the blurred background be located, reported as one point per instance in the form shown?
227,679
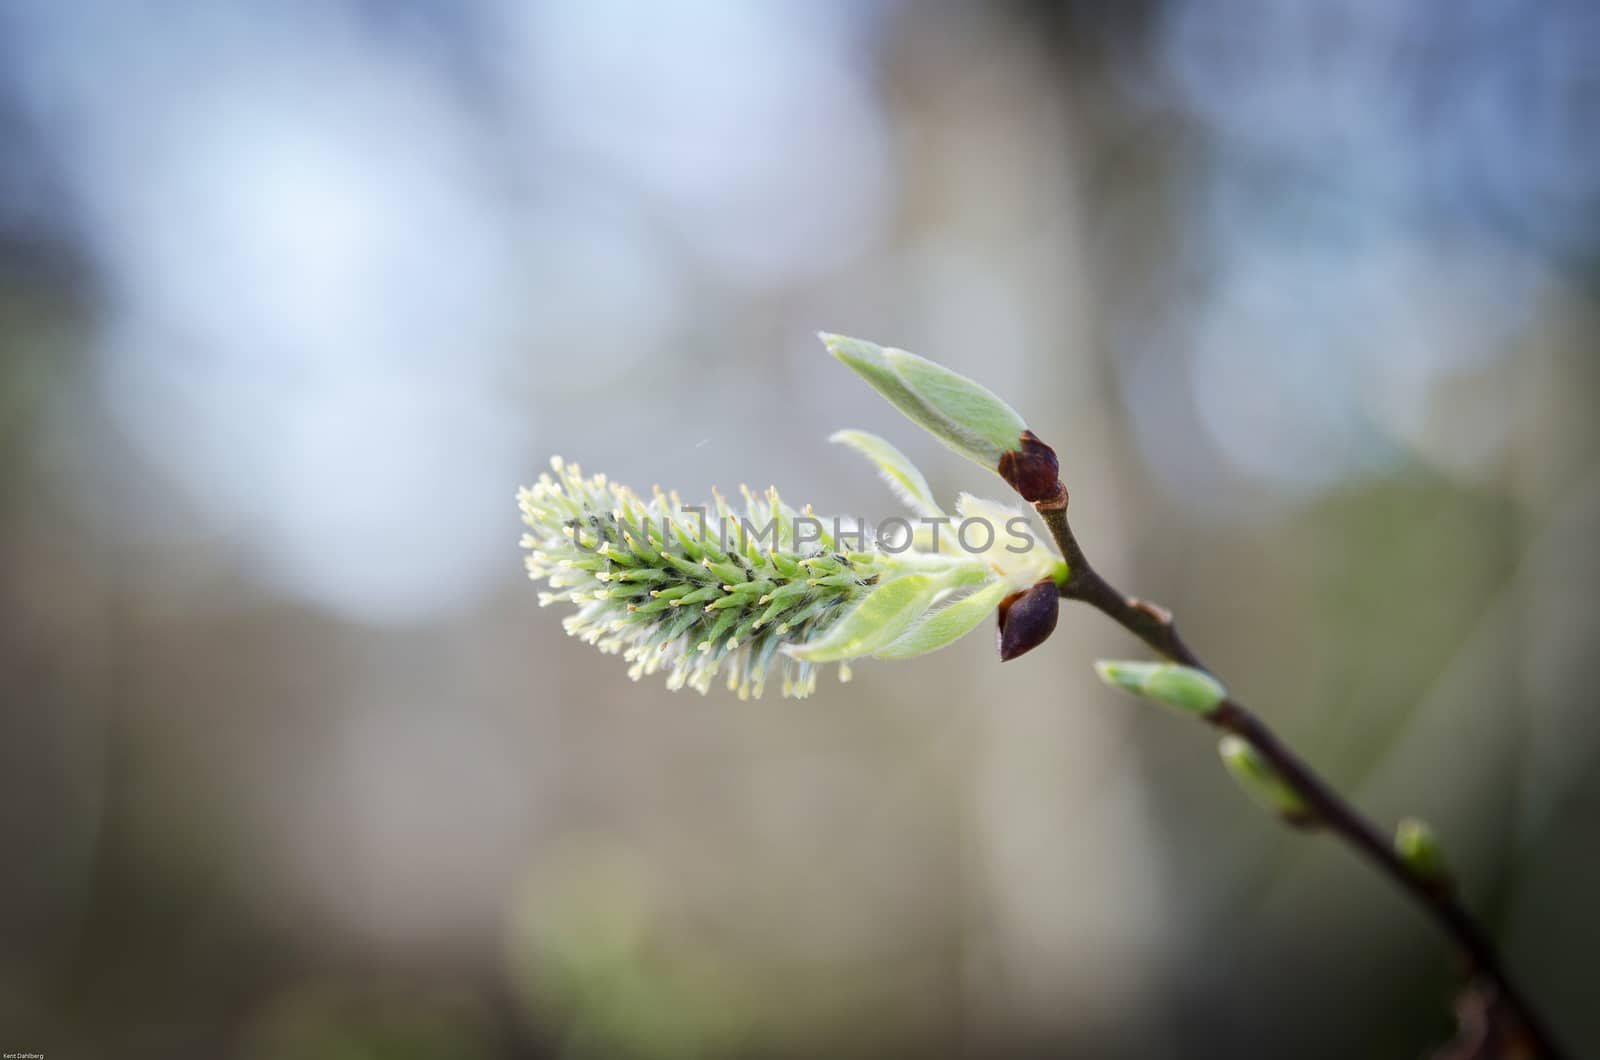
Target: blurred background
294,295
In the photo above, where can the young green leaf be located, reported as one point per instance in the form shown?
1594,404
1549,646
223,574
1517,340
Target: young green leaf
959,412
867,360
895,468
888,611
946,625
977,412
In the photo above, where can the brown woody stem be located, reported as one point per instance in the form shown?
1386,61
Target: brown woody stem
1330,810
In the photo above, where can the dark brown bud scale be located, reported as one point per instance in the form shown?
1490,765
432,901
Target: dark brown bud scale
1031,469
1028,618
1005,606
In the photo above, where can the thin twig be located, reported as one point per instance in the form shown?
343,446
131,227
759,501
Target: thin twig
1154,626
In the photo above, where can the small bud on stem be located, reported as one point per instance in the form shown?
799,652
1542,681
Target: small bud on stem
1182,688
1032,469
1028,618
1262,783
1418,847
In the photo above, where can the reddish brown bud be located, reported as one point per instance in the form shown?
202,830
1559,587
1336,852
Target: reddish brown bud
1032,469
1028,618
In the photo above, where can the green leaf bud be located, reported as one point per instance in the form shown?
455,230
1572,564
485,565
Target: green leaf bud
1418,847
1261,782
1179,687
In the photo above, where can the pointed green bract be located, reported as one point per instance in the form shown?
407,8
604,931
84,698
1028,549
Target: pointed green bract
895,468
1179,687
962,414
947,625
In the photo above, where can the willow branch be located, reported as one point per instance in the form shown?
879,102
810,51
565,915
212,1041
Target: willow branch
1328,809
